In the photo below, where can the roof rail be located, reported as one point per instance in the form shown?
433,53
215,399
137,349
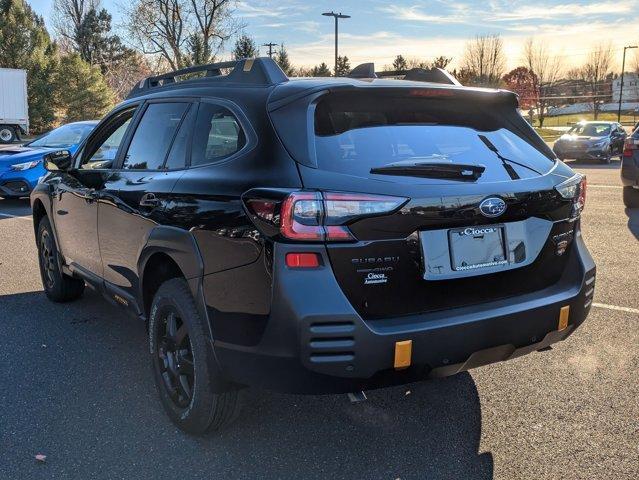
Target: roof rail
256,71
432,75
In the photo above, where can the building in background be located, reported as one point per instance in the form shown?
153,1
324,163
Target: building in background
630,88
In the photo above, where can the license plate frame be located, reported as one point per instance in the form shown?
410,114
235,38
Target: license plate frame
478,247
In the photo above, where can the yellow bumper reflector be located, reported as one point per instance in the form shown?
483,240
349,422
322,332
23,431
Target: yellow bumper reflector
403,353
564,313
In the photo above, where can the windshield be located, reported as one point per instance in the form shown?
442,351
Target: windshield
590,130
354,136
64,136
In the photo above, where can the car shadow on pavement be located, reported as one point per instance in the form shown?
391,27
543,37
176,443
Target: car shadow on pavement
633,221
79,390
424,430
14,206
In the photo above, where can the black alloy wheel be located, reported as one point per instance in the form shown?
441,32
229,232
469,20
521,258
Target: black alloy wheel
58,286
190,385
47,259
175,357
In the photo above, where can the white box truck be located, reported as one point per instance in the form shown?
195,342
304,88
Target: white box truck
14,109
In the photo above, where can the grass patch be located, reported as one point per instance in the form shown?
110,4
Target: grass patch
565,120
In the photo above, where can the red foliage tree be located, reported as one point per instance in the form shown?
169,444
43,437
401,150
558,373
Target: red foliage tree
524,83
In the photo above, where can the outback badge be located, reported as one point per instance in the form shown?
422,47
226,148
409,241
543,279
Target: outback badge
492,207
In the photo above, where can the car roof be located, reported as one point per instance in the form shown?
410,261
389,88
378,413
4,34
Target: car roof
267,82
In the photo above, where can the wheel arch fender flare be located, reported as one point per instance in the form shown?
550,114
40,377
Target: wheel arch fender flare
178,244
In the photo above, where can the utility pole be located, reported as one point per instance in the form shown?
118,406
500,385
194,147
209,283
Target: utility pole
270,48
336,16
623,67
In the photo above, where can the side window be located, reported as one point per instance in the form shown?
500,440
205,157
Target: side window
217,135
177,154
101,151
153,136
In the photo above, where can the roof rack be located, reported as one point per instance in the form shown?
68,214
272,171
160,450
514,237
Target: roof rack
432,75
256,71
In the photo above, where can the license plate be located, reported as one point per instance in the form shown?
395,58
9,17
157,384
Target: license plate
477,247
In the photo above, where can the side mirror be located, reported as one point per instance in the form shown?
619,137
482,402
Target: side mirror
59,161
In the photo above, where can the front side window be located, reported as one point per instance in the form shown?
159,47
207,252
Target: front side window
217,135
101,151
153,136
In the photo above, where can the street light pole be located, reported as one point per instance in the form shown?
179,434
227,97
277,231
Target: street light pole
336,16
623,68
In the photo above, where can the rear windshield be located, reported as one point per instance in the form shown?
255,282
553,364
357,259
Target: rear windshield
357,132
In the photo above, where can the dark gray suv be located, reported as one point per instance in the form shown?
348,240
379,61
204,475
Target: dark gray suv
591,141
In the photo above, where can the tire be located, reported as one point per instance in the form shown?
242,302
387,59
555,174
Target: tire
193,395
608,158
58,286
631,197
7,134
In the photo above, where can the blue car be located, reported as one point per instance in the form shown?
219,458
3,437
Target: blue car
21,166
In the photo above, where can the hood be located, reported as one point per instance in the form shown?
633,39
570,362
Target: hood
581,138
20,154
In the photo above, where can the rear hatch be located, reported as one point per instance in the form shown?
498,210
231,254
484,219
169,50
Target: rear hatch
480,208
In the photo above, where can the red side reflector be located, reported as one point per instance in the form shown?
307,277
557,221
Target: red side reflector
302,260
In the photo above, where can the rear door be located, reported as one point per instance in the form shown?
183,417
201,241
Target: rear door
136,194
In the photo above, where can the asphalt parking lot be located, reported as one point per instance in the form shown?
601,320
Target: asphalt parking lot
76,387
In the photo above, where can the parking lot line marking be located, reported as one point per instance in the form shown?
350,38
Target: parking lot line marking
604,186
616,307
8,215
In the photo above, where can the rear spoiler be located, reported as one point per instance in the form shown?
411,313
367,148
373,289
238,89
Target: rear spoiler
432,75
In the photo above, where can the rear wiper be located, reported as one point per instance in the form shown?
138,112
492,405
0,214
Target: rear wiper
452,171
505,161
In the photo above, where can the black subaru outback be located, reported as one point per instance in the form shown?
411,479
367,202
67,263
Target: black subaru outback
316,235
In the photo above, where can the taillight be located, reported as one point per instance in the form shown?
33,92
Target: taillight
630,146
574,189
322,216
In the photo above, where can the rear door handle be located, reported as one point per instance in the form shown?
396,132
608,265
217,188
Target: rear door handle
149,200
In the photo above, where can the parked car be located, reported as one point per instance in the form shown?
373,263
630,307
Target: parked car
630,171
21,166
591,141
316,235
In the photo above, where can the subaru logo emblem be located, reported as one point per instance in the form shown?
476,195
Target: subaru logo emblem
492,207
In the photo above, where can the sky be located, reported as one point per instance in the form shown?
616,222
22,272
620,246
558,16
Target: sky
381,29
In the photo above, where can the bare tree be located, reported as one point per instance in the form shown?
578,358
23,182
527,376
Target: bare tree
68,16
484,58
596,71
547,70
181,32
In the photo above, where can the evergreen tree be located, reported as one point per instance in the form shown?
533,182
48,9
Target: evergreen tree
281,57
441,62
400,63
245,47
321,70
25,44
82,92
343,66
95,43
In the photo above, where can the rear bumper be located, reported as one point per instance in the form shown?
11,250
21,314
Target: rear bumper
315,342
